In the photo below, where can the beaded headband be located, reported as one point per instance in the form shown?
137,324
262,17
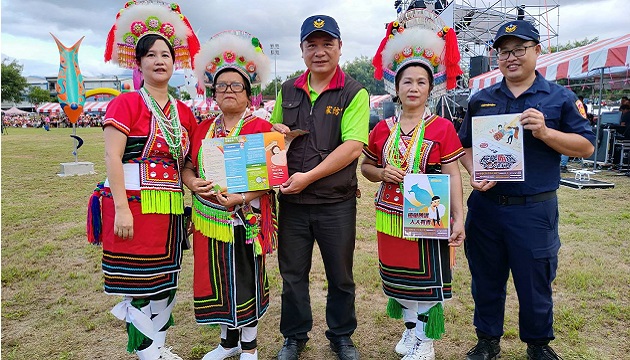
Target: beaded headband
418,36
141,18
233,49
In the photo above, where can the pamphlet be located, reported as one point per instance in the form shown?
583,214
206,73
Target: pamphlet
245,162
498,148
292,135
427,206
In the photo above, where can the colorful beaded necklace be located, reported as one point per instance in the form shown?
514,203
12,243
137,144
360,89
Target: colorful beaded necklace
170,127
402,160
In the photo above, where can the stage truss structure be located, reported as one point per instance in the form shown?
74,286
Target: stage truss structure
477,21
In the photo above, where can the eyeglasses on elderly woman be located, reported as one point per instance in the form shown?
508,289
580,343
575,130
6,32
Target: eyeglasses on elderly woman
236,87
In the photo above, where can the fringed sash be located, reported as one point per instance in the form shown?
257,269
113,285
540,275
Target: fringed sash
217,222
389,222
162,202
212,220
94,219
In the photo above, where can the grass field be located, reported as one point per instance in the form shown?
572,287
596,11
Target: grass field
53,305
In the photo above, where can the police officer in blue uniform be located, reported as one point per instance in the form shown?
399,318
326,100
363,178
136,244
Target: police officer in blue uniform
513,226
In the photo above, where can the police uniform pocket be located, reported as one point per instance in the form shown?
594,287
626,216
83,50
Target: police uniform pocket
552,114
547,252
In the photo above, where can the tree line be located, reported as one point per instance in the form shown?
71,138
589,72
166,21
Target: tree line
14,85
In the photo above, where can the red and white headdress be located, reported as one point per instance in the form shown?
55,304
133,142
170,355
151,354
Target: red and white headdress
140,18
233,49
419,36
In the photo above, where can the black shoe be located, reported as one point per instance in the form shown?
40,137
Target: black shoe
486,349
541,352
291,348
344,348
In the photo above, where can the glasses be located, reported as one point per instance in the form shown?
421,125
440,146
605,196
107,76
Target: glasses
518,52
236,87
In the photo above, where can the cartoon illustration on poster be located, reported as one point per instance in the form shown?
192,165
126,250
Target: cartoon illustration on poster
245,162
498,148
427,209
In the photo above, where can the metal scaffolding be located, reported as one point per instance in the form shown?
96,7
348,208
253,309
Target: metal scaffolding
476,21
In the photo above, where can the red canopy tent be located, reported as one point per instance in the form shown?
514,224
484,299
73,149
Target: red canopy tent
269,104
88,106
376,100
202,106
577,63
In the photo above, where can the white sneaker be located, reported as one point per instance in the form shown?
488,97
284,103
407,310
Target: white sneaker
406,342
421,350
221,353
166,354
248,356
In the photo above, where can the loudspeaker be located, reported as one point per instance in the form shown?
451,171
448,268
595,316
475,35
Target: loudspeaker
479,65
604,147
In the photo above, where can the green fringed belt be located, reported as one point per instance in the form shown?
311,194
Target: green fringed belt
212,221
162,202
389,222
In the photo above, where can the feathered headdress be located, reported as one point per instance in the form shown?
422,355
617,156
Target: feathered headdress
140,18
418,36
233,49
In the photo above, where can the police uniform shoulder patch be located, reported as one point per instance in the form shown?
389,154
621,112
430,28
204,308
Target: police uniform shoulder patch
580,107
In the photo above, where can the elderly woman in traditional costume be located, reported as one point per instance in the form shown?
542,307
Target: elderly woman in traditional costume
233,231
415,271
146,142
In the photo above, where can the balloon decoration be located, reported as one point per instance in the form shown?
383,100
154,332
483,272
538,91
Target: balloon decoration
69,87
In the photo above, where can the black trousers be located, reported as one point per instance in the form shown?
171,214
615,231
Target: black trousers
333,226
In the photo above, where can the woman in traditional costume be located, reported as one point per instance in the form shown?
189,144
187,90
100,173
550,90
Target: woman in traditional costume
416,272
146,141
233,231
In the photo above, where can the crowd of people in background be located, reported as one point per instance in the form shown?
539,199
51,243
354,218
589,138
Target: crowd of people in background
50,121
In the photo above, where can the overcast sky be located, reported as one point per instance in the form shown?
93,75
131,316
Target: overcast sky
26,25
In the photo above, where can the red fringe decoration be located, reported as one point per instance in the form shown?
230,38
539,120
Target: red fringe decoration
193,43
109,44
269,223
451,59
377,61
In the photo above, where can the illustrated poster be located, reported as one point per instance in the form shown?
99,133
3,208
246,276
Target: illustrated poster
427,206
245,162
498,148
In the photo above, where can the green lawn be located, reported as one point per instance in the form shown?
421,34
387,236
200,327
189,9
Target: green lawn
53,305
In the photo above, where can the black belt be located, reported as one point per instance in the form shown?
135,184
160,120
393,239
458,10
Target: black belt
518,200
